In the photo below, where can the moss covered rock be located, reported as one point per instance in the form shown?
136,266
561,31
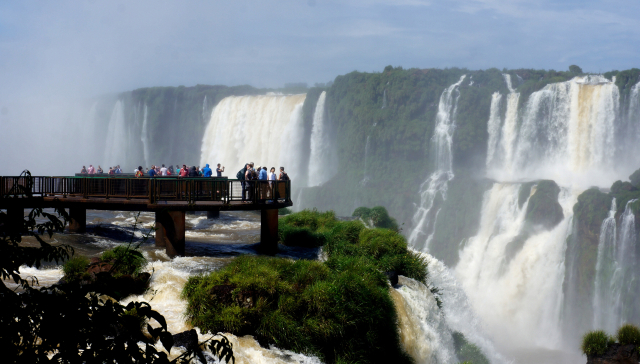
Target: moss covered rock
543,208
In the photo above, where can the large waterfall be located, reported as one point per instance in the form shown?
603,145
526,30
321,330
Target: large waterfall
266,130
436,184
323,155
117,137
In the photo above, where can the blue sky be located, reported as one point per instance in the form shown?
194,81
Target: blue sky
91,47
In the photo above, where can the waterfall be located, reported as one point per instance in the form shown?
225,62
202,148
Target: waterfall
117,138
436,184
567,132
423,330
144,136
323,157
267,130
527,288
384,99
509,129
614,269
365,177
493,126
204,109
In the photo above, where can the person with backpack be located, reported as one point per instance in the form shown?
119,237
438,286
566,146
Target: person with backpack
240,177
249,176
139,172
283,175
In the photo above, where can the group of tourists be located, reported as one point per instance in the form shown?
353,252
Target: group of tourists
184,171
248,174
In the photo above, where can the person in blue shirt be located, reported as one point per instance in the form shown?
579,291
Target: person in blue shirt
152,171
263,174
206,171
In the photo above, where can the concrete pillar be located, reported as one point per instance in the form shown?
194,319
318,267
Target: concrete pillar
16,219
213,214
269,231
170,232
77,220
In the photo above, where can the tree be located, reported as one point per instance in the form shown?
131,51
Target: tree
64,323
575,69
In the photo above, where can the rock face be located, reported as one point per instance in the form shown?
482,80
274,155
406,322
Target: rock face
616,354
543,208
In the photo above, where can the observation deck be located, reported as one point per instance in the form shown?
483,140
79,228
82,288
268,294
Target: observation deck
168,196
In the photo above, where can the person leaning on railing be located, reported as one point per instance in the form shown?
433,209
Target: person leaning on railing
139,172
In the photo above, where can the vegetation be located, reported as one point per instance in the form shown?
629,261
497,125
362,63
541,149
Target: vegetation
284,211
340,310
75,269
377,217
65,323
596,343
628,335
126,260
466,351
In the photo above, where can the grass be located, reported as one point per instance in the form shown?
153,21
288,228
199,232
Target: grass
596,343
128,261
341,312
467,352
75,269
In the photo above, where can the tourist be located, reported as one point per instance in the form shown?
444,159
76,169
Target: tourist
240,177
111,171
83,170
219,171
193,172
271,177
100,171
139,172
147,171
91,170
163,171
152,172
283,175
200,173
118,170
262,174
272,174
248,177
206,171
184,172
170,169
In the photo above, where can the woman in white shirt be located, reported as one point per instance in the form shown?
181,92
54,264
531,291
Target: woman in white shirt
271,177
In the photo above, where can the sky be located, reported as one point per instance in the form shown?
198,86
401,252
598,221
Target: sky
85,48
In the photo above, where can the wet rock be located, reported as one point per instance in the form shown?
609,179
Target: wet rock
186,339
393,277
616,354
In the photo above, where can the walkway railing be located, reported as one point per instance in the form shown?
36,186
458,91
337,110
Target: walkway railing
152,189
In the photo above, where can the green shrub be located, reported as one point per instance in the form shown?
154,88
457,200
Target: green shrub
628,334
75,269
595,343
466,351
285,211
377,216
127,261
341,311
300,236
312,219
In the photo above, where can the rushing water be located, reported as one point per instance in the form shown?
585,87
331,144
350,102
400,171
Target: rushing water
323,159
436,184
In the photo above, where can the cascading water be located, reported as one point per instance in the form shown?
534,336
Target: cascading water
566,134
509,129
384,99
365,177
117,137
615,269
436,184
493,127
144,136
527,288
323,158
266,130
204,110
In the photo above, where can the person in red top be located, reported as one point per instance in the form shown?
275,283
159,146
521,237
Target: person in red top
184,172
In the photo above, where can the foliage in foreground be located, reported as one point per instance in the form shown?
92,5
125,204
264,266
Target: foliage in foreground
383,248
377,217
466,351
64,323
341,311
596,343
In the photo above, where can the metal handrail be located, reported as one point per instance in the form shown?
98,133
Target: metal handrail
188,189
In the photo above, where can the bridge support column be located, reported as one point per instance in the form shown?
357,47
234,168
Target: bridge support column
269,231
213,214
77,220
170,232
16,219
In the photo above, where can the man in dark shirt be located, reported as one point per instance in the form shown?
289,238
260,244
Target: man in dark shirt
219,170
152,171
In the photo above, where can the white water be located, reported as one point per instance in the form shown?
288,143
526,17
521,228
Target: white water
117,138
365,176
266,130
423,330
509,129
526,292
437,182
144,136
204,110
614,269
566,134
323,159
384,99
493,127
